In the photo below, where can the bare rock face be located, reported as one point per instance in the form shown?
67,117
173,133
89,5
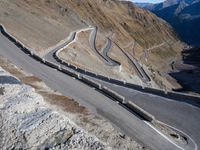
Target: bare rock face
27,122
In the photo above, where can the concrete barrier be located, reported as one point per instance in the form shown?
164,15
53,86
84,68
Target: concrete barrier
51,64
91,82
89,73
76,74
70,72
32,53
43,60
13,39
26,50
4,32
134,86
102,77
141,112
80,76
181,95
154,91
37,57
1,27
114,94
195,100
57,58
116,81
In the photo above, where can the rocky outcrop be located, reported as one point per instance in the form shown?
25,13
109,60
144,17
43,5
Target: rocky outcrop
27,122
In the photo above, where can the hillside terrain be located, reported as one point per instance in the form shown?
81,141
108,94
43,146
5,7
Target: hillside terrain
187,72
124,23
183,15
27,122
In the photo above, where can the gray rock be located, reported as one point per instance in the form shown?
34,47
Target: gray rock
26,122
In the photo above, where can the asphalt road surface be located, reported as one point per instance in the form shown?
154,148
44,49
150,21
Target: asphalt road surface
138,68
103,56
125,120
104,53
182,116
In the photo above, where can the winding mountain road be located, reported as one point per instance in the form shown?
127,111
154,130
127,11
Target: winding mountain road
104,53
70,38
103,56
186,116
139,70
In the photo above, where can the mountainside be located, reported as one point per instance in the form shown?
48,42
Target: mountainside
158,6
26,120
183,15
33,22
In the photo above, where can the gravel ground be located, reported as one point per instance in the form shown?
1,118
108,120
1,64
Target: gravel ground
27,122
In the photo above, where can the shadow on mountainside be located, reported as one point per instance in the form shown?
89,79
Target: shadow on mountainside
189,77
8,80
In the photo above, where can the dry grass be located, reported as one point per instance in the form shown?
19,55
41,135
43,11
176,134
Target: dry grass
63,102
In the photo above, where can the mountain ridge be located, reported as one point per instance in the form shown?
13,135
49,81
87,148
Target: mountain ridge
183,15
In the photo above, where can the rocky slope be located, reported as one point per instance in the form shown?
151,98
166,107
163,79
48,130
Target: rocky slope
68,112
36,21
28,123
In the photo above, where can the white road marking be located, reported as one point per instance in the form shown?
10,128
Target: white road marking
196,147
163,135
